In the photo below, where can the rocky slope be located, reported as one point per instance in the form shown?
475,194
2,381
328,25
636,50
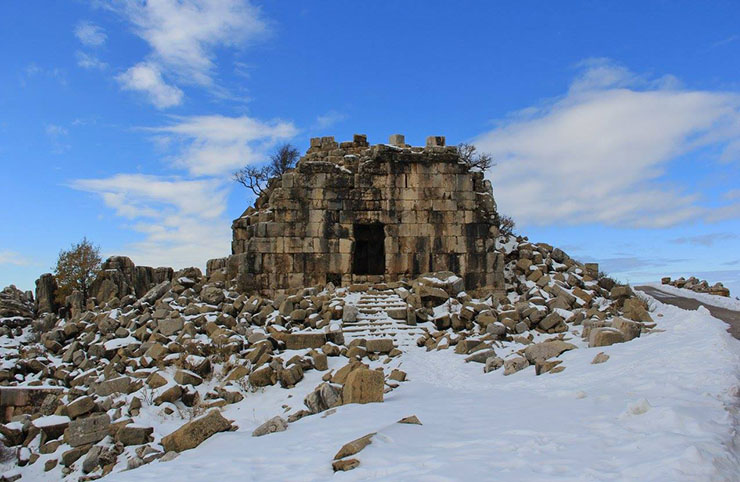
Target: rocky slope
80,392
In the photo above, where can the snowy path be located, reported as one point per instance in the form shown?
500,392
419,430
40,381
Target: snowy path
663,407
727,310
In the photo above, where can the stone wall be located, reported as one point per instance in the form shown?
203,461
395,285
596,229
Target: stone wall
433,213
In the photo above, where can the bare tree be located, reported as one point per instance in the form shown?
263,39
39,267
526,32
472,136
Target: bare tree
256,178
506,225
474,159
76,268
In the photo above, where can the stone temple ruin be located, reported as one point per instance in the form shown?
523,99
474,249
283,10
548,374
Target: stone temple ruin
354,213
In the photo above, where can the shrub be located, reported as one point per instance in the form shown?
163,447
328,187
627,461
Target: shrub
76,269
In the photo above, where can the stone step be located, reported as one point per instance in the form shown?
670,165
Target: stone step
382,328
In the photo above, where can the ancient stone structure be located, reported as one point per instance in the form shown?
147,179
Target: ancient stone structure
352,213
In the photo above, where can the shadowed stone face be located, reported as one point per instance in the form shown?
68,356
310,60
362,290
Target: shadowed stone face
354,213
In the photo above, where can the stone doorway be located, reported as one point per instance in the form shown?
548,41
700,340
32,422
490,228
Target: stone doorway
369,255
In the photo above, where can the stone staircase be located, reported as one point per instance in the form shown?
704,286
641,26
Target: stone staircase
382,314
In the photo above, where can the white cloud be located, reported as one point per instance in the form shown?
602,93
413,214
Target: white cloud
184,36
88,61
53,130
705,239
216,144
182,220
57,136
90,34
146,77
329,119
598,153
14,258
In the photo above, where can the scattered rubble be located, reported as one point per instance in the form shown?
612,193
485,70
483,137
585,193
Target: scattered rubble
75,381
695,284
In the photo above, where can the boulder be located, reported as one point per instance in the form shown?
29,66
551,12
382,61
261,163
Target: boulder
621,292
170,326
170,395
72,455
513,365
630,329
212,295
290,375
493,363
92,459
186,377
481,356
263,377
195,432
345,465
46,287
275,424
547,349
299,341
88,430
354,447
600,357
605,336
80,406
320,360
134,435
550,321
636,309
324,397
379,345
349,313
363,386
410,420
114,385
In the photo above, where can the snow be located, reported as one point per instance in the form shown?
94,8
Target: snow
663,407
120,343
50,420
714,300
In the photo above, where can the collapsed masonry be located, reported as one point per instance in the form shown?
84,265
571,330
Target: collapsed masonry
354,213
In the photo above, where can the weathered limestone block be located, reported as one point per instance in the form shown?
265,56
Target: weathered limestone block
196,432
363,386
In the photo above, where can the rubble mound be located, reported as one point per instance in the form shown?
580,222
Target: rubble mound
697,285
16,309
80,399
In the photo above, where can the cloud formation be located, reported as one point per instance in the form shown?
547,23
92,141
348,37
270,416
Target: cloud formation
146,77
90,34
329,119
599,153
217,144
181,220
705,239
184,36
89,61
14,258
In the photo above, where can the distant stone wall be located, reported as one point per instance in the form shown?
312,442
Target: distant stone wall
434,213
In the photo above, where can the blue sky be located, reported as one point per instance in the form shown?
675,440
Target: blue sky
615,125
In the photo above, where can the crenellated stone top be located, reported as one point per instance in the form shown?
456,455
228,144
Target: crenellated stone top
344,153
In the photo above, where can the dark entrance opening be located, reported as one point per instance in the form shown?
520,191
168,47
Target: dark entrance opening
369,255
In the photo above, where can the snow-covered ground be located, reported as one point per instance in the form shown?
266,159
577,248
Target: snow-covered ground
663,407
731,303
